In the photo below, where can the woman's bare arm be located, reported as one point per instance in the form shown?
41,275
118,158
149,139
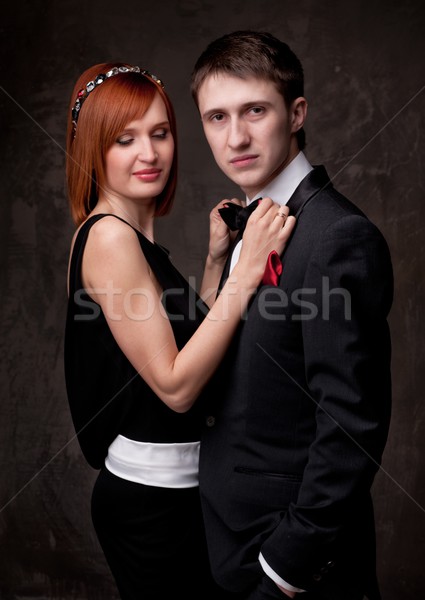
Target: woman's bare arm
117,276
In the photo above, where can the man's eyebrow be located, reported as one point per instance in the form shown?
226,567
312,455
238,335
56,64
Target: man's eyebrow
241,107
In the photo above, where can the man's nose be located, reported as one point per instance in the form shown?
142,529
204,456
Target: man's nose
238,134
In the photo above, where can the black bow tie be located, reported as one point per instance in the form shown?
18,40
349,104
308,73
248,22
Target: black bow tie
236,216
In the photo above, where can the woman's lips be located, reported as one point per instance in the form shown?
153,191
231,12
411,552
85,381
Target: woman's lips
148,175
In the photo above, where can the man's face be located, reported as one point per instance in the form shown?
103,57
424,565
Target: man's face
249,129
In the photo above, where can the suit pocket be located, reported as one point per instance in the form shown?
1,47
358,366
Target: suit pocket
289,477
260,497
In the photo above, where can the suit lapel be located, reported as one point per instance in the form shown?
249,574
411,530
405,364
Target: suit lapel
312,184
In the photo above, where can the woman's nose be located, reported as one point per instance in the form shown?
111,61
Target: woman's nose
147,152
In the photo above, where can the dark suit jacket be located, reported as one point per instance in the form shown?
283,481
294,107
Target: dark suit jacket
300,411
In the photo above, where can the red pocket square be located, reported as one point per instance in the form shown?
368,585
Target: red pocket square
273,269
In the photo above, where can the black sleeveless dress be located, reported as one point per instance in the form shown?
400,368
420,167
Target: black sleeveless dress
152,537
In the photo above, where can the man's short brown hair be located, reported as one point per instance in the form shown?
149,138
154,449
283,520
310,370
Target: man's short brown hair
253,54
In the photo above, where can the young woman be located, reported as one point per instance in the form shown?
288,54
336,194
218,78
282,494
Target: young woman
139,344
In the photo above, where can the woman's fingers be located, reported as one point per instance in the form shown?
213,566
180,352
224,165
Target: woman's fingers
287,228
269,210
264,205
225,201
272,223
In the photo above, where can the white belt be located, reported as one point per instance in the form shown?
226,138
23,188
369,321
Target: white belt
159,465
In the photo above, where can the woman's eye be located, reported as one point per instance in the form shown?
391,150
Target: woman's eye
161,134
124,141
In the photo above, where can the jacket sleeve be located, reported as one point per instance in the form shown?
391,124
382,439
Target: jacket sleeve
347,360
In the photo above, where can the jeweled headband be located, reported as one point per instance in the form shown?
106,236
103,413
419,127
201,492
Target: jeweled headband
99,79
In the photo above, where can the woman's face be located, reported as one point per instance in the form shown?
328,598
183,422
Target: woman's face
139,161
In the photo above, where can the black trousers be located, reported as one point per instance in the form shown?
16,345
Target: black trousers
153,540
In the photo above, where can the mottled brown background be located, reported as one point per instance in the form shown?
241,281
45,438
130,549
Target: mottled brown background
365,84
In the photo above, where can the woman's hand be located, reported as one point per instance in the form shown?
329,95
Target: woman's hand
220,235
220,240
268,228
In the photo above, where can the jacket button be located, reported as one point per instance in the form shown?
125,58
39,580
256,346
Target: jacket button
330,564
210,421
317,577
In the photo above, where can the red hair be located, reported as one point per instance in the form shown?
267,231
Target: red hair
105,112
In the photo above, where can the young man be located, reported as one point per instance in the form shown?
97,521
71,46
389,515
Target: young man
301,407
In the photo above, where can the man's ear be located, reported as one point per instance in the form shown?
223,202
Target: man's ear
298,113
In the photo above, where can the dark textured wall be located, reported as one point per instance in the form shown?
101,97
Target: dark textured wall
365,84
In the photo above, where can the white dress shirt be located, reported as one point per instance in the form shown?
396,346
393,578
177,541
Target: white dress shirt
280,189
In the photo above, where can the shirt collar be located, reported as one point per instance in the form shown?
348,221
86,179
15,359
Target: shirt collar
281,188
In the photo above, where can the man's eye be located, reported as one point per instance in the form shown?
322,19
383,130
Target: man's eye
217,117
257,110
